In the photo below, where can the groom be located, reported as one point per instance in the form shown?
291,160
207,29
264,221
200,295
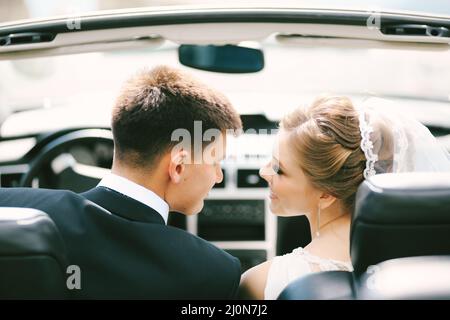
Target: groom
117,233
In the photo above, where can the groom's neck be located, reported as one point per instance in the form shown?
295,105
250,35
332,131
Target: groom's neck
149,178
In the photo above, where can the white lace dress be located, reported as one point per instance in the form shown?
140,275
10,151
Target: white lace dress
289,267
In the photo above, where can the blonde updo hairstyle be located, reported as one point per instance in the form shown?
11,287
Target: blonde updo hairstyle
326,139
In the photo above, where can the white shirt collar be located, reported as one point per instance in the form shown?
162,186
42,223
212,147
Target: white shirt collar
136,192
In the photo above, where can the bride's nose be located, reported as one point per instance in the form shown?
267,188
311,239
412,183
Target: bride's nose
266,172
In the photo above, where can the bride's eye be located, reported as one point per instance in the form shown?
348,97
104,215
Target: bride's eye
276,168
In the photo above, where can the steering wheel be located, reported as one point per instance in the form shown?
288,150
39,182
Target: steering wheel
85,176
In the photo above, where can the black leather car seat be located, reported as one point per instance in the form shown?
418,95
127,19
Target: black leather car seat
32,256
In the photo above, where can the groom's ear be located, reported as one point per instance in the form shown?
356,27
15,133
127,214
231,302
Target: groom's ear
177,165
326,200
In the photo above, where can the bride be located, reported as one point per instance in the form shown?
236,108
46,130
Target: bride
321,156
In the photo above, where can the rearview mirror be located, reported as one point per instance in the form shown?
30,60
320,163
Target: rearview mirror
225,59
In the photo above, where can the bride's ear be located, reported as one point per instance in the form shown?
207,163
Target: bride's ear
326,200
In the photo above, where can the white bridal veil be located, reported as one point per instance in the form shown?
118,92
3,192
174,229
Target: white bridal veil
395,142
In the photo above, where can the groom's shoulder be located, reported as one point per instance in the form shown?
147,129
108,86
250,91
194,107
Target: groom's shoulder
201,247
31,196
206,256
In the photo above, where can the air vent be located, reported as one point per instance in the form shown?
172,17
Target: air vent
232,220
249,178
416,30
10,179
10,176
26,38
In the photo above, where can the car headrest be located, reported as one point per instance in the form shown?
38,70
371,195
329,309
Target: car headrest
32,255
415,278
400,215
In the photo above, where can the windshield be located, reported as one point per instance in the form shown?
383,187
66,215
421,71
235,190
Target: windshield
11,10
79,90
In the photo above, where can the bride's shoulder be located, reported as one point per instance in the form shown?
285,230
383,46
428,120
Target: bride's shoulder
289,267
253,281
299,260
286,268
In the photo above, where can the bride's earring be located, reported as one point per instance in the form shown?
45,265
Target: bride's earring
318,222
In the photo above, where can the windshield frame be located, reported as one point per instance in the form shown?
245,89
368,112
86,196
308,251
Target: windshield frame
182,15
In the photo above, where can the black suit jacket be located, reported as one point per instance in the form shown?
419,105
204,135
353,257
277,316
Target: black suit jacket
125,250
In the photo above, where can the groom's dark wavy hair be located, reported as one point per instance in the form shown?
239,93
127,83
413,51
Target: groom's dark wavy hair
327,139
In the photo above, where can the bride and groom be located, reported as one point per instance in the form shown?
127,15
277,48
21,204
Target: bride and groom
117,232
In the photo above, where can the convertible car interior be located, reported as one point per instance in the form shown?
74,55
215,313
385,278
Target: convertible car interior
57,89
